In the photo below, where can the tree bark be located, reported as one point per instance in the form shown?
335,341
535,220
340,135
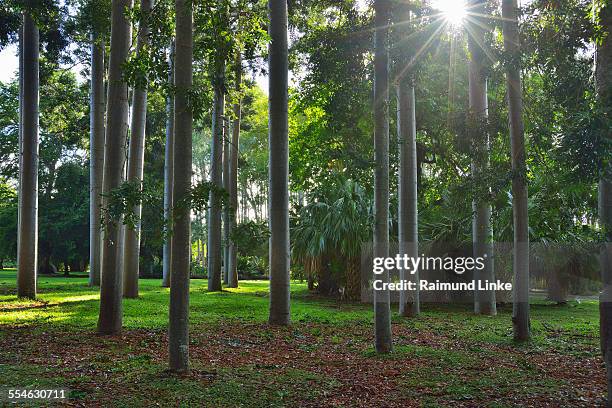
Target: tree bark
110,318
169,171
520,308
198,254
604,94
278,173
226,210
181,242
408,236
27,252
234,152
216,157
382,302
482,232
136,162
20,138
96,157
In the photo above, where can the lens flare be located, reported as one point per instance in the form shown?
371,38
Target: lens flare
453,11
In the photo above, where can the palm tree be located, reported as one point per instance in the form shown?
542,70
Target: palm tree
27,251
96,156
216,157
338,222
136,161
181,242
110,318
226,209
278,138
604,93
382,300
408,235
520,310
482,235
233,190
168,169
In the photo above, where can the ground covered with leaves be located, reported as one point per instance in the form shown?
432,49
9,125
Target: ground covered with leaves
446,357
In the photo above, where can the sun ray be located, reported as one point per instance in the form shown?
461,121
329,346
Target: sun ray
485,49
454,11
420,51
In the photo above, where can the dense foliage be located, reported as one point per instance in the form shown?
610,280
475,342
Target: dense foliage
330,129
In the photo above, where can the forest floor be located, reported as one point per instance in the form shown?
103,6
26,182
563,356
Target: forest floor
446,357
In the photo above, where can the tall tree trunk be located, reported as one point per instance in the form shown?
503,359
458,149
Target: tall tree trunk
181,242
278,173
382,302
520,309
96,157
408,238
216,157
20,141
604,93
136,161
169,170
198,253
110,318
482,232
27,252
234,151
226,210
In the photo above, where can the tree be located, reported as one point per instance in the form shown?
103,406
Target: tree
8,222
216,158
181,242
20,135
110,318
96,157
233,170
331,229
27,251
382,301
278,144
520,310
408,239
604,95
482,233
169,169
136,158
226,210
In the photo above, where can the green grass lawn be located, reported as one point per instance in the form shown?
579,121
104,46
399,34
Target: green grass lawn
446,357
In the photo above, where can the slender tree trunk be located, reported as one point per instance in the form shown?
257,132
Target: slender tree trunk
604,93
20,141
234,151
198,253
27,252
482,232
136,162
520,309
96,157
169,171
110,319
216,158
181,242
382,302
408,238
408,201
278,173
226,210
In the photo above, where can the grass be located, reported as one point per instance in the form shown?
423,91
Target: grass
446,357
69,302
